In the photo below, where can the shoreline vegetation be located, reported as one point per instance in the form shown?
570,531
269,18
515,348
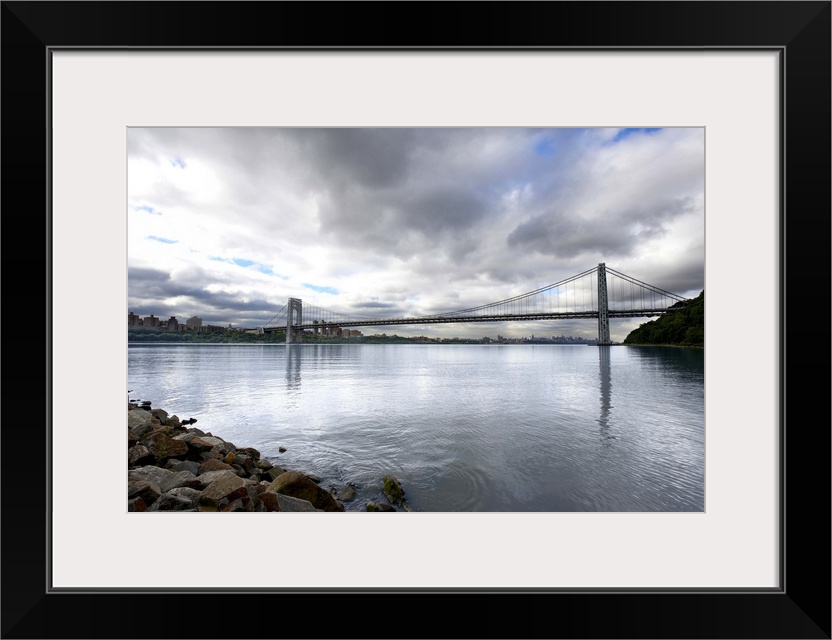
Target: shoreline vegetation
683,328
173,466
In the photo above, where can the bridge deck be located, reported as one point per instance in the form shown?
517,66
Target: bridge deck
484,318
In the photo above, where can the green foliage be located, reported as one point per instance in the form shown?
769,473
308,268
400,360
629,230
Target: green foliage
685,326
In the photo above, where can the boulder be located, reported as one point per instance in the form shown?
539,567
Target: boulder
250,452
180,479
297,485
288,503
211,476
160,414
380,506
207,443
185,437
182,465
140,430
163,446
213,465
138,417
180,499
139,455
345,493
393,489
270,500
274,472
151,473
226,494
149,492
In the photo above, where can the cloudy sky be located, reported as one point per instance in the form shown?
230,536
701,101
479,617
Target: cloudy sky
228,223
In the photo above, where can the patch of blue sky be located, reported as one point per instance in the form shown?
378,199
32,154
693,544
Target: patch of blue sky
177,161
148,209
626,133
246,263
164,240
315,287
545,147
267,270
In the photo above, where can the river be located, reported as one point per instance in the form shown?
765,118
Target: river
465,428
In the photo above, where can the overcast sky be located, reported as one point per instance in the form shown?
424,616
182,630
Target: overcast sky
228,223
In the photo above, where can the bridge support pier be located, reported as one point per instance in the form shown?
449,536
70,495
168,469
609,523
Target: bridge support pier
294,315
603,308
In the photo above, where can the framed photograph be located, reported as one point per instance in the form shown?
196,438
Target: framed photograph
90,87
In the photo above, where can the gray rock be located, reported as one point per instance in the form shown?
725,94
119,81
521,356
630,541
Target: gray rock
137,417
251,452
346,493
288,503
297,485
226,494
151,473
160,414
180,499
274,472
139,455
213,464
393,489
206,443
140,430
180,479
185,437
163,446
380,506
244,461
149,492
182,465
212,476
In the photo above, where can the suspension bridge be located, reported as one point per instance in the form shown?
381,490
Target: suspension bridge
600,292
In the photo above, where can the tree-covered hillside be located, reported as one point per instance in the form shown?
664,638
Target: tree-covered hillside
684,327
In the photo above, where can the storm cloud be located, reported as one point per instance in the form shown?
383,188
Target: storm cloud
227,223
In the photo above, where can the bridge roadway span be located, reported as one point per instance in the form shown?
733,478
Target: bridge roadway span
613,313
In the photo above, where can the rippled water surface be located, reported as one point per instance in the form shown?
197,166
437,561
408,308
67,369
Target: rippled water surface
508,428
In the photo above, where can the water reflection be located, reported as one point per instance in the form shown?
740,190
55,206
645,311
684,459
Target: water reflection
293,381
606,391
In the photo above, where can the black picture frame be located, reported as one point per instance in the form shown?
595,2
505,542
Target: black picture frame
800,608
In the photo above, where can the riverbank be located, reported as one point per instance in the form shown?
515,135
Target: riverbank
173,466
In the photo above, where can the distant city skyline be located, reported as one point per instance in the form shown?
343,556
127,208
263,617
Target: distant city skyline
228,223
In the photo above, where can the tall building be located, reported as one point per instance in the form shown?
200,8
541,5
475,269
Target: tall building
194,323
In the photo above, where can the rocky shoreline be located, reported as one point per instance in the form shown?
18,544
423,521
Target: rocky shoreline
173,466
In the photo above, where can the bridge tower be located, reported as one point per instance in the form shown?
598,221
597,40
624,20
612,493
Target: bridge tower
603,308
295,305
